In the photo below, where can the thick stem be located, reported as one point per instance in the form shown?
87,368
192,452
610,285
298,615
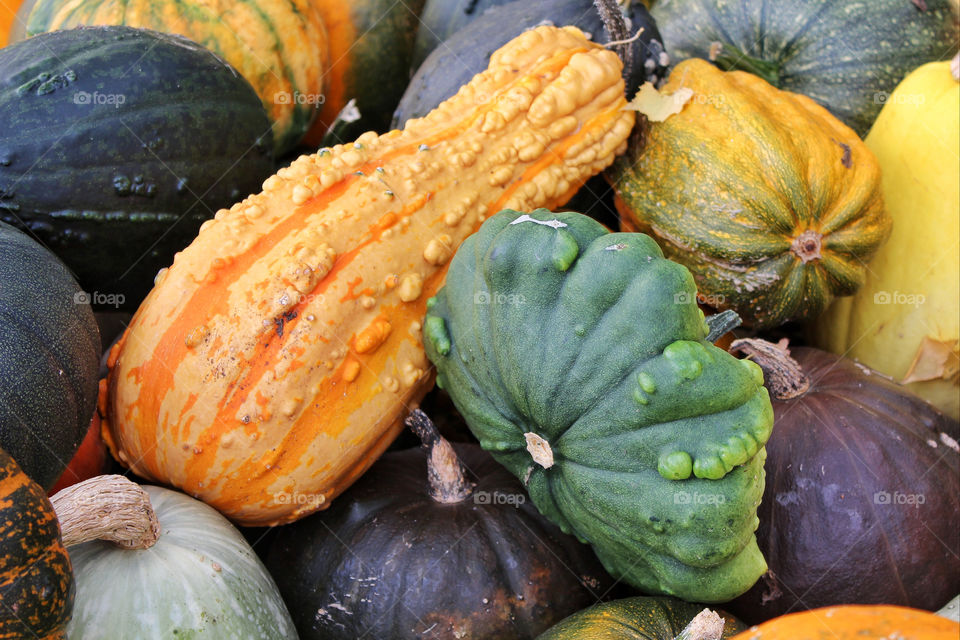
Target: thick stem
730,58
448,483
721,323
782,374
707,625
616,27
109,508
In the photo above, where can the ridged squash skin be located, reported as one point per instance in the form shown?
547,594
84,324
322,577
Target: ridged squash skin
579,359
855,622
905,320
771,202
275,360
279,46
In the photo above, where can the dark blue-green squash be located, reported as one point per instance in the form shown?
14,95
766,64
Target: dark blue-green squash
118,143
848,55
49,358
579,359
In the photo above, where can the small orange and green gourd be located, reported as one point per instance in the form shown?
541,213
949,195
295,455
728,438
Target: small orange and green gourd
274,361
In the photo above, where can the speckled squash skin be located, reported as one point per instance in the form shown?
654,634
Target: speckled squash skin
280,352
578,358
855,622
640,618
279,46
36,579
848,56
771,202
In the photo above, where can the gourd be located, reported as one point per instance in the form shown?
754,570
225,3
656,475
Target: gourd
438,542
848,56
120,143
36,580
278,46
862,502
655,453
279,352
905,320
90,459
153,563
638,618
855,622
771,202
49,356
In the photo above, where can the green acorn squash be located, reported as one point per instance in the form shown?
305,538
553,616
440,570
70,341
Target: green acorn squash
848,56
771,202
578,358
117,144
49,357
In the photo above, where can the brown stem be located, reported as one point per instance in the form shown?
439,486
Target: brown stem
617,31
444,471
109,508
707,625
782,374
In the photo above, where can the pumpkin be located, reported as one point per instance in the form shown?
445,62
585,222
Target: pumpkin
279,353
89,461
132,141
655,454
49,355
862,502
36,582
152,563
467,51
848,56
855,622
278,46
371,42
771,202
904,321
639,618
437,542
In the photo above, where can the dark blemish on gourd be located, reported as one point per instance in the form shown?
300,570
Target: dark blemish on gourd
283,319
847,158
45,83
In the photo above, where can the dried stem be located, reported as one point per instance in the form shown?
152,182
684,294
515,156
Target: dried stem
448,484
782,374
109,508
707,625
617,32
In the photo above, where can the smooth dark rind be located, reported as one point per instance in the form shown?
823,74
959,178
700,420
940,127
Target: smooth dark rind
589,377
118,144
49,358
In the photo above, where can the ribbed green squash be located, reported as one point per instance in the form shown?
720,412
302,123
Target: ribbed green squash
578,358
640,618
847,55
117,144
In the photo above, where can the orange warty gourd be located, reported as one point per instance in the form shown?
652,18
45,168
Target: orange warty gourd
274,361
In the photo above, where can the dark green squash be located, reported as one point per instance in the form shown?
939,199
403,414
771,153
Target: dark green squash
640,618
579,358
467,51
847,55
36,579
461,555
118,144
862,502
49,357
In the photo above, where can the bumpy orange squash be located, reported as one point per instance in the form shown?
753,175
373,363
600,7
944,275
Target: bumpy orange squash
275,360
856,622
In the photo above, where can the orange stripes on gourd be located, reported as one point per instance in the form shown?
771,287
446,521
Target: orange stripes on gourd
276,358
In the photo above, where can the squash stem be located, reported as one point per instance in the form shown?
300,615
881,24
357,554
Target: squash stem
612,16
782,374
707,625
110,508
448,484
730,58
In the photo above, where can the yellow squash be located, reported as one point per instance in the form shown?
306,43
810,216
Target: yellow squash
905,320
275,360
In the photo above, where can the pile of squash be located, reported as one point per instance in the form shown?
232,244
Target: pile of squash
273,369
